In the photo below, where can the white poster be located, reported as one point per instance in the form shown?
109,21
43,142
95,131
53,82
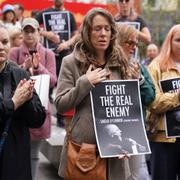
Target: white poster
42,88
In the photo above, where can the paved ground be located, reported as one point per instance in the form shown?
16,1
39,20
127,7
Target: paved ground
46,170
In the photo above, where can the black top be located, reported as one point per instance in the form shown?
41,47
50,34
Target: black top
16,150
139,19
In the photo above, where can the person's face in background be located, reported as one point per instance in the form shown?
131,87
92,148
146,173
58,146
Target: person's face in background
176,45
129,46
152,51
9,16
4,47
18,40
100,33
30,36
125,7
18,12
58,3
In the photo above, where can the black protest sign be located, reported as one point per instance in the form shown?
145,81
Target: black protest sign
172,118
118,121
58,22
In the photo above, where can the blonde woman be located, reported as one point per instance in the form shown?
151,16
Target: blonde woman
165,156
128,39
16,37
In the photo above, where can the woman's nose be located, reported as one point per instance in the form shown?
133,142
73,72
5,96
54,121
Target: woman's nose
1,45
103,31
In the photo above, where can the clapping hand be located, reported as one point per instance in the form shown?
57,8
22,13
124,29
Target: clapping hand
36,60
23,92
27,63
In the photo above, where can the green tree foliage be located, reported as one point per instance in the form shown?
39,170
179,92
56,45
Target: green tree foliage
159,21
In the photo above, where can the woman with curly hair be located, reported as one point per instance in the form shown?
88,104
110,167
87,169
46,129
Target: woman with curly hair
94,53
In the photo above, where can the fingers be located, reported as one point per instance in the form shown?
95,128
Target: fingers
32,84
62,46
98,75
134,70
36,59
28,62
124,155
25,88
23,93
90,68
21,83
103,73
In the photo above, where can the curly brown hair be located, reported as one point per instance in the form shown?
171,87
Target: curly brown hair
84,47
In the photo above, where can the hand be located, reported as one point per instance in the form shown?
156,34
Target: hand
124,155
96,76
54,37
50,35
36,60
27,63
23,92
63,46
134,70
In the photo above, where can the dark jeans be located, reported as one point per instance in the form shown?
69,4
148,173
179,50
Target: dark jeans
59,58
60,120
165,161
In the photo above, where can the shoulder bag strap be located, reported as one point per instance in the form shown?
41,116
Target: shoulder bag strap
70,128
7,92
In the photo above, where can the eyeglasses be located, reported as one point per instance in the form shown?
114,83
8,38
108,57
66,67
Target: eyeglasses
124,1
132,43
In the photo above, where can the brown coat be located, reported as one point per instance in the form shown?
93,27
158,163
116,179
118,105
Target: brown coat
73,92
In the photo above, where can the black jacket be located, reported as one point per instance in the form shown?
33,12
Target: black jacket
15,158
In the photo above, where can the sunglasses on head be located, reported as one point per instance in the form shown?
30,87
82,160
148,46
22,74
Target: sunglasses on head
122,1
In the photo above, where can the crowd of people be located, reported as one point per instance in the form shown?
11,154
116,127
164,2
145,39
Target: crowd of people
76,60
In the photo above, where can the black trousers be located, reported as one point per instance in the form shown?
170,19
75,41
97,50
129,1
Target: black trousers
59,58
165,161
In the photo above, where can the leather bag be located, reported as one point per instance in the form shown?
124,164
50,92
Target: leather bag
83,162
